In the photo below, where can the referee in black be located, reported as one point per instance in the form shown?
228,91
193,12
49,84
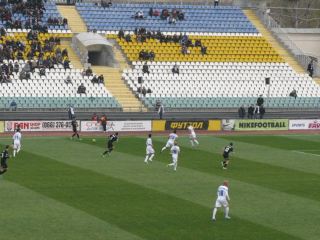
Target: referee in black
4,157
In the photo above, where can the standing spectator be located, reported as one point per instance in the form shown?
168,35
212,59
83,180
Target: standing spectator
161,111
71,114
256,111
242,112
103,122
260,102
250,111
310,68
175,69
216,3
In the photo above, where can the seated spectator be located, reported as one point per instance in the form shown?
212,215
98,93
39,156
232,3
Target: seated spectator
144,91
81,89
203,50
149,90
109,4
164,14
16,67
121,34
128,38
197,43
66,64
216,3
101,79
13,106
185,50
181,16
175,69
94,79
293,93
145,68
89,72
42,71
68,80
152,55
139,15
151,12
171,20
3,32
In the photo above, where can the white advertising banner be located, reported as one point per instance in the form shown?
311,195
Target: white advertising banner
39,126
313,124
116,126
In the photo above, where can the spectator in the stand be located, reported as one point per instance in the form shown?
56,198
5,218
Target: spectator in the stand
256,111
109,4
13,106
293,94
3,32
260,101
104,3
203,50
164,14
310,68
139,15
216,3
121,34
89,72
175,69
151,12
250,111
161,111
81,89
68,80
42,71
94,117
149,90
242,112
101,79
144,91
66,64
145,68
71,113
94,79
128,38
16,67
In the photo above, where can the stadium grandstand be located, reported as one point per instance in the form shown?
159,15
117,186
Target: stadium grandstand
188,57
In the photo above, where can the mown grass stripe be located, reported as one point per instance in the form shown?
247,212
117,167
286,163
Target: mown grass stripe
136,209
26,214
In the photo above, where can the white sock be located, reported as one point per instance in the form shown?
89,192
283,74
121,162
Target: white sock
18,150
226,212
196,141
14,152
146,159
151,157
164,148
171,164
214,213
191,141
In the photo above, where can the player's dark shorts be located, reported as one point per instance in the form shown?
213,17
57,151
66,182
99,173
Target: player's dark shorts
226,156
104,127
74,129
4,164
110,146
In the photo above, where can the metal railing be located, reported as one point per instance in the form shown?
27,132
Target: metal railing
283,37
181,2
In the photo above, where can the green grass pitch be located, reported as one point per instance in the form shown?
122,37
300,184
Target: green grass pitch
62,189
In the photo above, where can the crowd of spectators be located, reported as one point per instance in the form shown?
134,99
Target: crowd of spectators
54,21
32,10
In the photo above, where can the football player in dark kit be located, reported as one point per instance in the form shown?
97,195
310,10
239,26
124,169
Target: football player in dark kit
112,138
227,150
74,128
4,157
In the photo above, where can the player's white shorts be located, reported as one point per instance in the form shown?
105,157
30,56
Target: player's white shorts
169,144
221,202
149,150
174,158
192,136
16,144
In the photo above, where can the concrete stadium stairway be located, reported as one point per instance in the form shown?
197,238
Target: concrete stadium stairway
117,87
75,22
317,80
73,57
270,38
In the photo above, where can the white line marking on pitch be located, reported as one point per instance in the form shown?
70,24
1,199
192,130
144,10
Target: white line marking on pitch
307,153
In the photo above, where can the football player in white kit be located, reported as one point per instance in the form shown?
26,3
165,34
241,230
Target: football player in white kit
222,200
175,150
149,150
172,137
16,142
192,135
